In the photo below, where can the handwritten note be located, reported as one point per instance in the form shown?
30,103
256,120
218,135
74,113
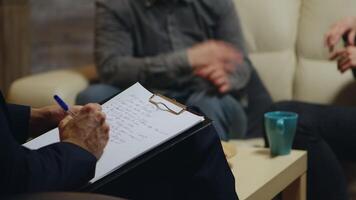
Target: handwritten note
132,115
136,126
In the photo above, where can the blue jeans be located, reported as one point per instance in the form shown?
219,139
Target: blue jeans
96,93
228,115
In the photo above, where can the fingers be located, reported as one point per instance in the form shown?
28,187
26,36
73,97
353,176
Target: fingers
223,84
65,121
331,39
337,54
224,88
230,67
100,117
90,115
99,139
345,65
76,109
210,71
103,132
343,59
105,129
217,75
210,52
205,72
223,52
228,53
340,28
221,80
334,35
94,112
91,107
346,58
351,37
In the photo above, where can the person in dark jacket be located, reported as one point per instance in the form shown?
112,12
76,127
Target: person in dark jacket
193,169
61,166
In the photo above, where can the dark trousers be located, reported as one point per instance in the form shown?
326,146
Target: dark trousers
259,101
194,169
328,133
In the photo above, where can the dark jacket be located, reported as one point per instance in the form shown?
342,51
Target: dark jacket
60,166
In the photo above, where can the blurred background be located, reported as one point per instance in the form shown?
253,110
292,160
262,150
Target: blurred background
42,35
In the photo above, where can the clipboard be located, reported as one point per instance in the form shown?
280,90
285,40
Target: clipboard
162,106
92,187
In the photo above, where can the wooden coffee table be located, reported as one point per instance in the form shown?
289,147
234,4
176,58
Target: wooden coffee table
261,177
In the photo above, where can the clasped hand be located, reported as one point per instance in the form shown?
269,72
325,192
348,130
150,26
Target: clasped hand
214,61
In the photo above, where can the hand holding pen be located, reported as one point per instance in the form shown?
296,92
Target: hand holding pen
63,105
86,128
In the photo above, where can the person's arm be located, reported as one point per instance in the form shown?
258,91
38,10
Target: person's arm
61,166
29,122
114,52
66,165
19,121
229,30
58,167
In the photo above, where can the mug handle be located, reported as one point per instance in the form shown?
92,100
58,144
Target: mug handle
280,126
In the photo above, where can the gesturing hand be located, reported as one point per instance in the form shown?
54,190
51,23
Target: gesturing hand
87,129
341,27
346,58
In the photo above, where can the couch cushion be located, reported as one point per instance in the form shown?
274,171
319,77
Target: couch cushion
320,81
38,90
277,71
316,18
269,25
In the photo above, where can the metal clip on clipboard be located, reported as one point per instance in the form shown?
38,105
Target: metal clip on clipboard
162,106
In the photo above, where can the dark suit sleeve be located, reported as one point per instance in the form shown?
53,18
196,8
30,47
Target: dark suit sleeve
60,166
19,120
57,167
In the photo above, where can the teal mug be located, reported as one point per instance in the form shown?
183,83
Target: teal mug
280,129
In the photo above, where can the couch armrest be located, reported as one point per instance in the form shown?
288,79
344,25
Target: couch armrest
38,90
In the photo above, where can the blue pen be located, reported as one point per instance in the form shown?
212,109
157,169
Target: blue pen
63,105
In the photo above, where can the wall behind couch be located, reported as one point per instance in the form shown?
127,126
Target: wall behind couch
62,34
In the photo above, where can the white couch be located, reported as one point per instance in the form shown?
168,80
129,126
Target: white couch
285,40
